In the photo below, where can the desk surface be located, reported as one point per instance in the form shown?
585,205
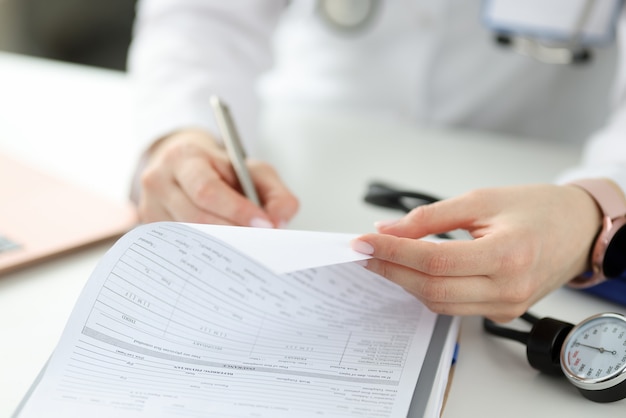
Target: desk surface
76,123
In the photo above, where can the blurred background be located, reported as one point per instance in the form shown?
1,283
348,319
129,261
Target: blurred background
90,32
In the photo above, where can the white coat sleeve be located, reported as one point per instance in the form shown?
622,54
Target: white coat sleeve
183,51
604,154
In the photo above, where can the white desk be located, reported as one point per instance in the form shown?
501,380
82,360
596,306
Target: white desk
76,123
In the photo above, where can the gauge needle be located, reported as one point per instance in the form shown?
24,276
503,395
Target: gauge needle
600,349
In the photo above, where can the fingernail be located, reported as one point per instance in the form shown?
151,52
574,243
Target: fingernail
383,224
260,223
362,247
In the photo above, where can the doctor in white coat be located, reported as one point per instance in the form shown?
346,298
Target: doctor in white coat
429,61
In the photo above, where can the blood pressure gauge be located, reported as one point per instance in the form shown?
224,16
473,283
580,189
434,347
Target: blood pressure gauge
591,354
593,357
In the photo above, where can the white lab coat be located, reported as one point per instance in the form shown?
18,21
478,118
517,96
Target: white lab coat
429,61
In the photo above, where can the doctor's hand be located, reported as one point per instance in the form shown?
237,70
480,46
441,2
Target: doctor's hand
188,177
528,241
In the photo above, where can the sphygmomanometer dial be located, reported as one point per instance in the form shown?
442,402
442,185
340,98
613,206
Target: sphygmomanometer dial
593,357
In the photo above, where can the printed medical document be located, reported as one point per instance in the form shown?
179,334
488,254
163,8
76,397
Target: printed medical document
176,321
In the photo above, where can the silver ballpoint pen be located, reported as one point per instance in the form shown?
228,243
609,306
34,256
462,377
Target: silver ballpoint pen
234,148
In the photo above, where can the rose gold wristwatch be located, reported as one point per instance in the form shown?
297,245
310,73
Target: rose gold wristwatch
608,256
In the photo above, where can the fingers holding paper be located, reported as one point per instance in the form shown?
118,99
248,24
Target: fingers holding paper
188,177
527,242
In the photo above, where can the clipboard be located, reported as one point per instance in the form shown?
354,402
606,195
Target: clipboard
433,384
587,22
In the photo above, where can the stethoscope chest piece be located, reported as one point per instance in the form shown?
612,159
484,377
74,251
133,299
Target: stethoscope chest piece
348,15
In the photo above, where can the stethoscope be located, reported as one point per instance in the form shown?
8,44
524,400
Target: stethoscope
545,44
590,354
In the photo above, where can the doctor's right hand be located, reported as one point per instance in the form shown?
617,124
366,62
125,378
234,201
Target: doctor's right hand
187,177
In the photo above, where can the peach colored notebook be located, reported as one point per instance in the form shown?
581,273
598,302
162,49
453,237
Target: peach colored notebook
42,216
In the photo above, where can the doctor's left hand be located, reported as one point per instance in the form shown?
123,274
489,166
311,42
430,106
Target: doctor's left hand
528,241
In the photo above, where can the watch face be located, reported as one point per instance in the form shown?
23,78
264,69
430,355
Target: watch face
593,355
614,264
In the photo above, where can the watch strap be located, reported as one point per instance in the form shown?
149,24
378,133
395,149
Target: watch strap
607,195
612,202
